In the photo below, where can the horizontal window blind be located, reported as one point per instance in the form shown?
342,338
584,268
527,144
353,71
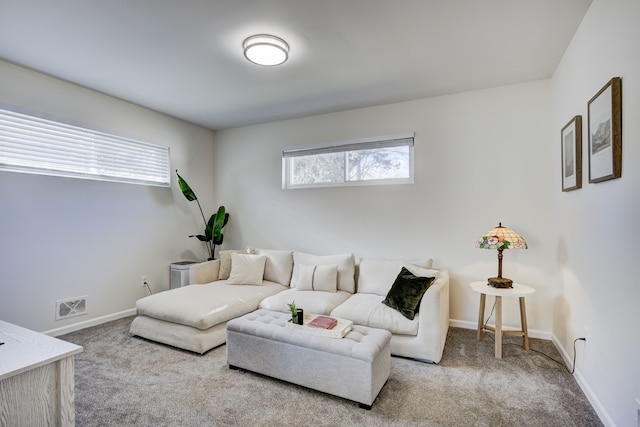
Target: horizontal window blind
354,145
40,146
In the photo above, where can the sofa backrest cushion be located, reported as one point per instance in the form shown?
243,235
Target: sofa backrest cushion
376,276
345,262
279,265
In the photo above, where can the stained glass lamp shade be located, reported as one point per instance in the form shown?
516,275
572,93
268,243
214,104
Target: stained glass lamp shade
500,238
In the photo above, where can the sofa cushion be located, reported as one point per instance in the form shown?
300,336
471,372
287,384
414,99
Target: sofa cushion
406,293
279,266
225,261
312,302
346,268
325,278
304,277
203,306
376,276
246,269
317,278
368,310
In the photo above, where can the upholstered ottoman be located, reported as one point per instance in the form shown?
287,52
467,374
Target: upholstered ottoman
355,367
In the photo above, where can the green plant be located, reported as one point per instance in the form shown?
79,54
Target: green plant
213,228
294,310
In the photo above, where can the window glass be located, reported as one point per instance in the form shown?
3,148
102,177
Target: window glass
380,160
379,163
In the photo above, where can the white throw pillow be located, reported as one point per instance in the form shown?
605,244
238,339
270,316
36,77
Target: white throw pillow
345,262
304,278
225,261
279,266
246,269
317,278
325,278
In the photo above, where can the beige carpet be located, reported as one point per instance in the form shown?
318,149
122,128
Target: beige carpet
127,381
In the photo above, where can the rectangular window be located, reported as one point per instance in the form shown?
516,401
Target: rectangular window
36,145
368,161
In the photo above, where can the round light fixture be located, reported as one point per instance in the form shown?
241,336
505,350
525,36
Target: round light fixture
265,49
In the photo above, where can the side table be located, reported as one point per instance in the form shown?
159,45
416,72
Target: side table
517,290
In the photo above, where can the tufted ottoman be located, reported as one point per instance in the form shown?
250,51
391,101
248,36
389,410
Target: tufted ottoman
355,367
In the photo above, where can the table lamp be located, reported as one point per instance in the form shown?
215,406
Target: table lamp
500,238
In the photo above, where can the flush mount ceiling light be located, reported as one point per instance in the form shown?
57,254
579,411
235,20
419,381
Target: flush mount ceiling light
265,49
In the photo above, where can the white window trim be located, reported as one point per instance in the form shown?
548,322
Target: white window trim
386,141
44,146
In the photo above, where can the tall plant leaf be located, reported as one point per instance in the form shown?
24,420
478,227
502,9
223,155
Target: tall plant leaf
185,188
220,218
201,237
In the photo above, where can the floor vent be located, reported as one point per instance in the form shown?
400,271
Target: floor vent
71,307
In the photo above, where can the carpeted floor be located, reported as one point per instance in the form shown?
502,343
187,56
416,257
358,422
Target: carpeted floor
127,381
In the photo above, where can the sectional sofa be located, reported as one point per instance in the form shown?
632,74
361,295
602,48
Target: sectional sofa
370,293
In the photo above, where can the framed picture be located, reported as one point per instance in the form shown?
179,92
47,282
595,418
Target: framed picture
605,132
571,143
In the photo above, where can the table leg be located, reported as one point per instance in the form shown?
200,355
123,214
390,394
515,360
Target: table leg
498,328
480,334
523,323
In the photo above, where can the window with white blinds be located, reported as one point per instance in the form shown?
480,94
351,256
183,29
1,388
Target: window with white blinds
37,145
367,161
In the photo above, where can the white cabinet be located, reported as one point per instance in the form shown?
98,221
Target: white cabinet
36,378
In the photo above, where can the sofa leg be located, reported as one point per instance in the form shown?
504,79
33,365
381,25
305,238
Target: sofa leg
235,368
363,406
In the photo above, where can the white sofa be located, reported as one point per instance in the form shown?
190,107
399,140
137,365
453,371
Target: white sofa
194,317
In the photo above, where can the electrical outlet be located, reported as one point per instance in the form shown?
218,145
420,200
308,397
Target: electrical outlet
143,281
638,411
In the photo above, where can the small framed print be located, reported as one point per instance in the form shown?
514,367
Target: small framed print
571,142
605,132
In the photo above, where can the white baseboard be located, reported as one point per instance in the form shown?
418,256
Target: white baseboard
465,324
584,385
88,323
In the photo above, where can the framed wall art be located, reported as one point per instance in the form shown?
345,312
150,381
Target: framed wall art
605,132
571,143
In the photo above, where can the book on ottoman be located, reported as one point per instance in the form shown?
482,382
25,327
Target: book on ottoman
339,330
324,322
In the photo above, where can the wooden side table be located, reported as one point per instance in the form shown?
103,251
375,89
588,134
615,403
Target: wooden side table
517,290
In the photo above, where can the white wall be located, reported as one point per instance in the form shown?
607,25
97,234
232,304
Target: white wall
62,238
598,226
481,158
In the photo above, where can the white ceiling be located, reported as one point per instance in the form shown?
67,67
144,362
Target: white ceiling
184,58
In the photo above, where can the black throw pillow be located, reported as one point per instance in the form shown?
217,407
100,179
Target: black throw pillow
406,293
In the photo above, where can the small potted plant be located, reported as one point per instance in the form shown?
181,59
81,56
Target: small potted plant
294,312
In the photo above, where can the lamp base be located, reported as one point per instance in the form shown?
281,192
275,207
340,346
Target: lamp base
500,282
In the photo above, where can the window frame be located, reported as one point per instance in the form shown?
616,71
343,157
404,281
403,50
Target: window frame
40,145
345,147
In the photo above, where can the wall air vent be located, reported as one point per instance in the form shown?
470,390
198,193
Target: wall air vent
71,307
